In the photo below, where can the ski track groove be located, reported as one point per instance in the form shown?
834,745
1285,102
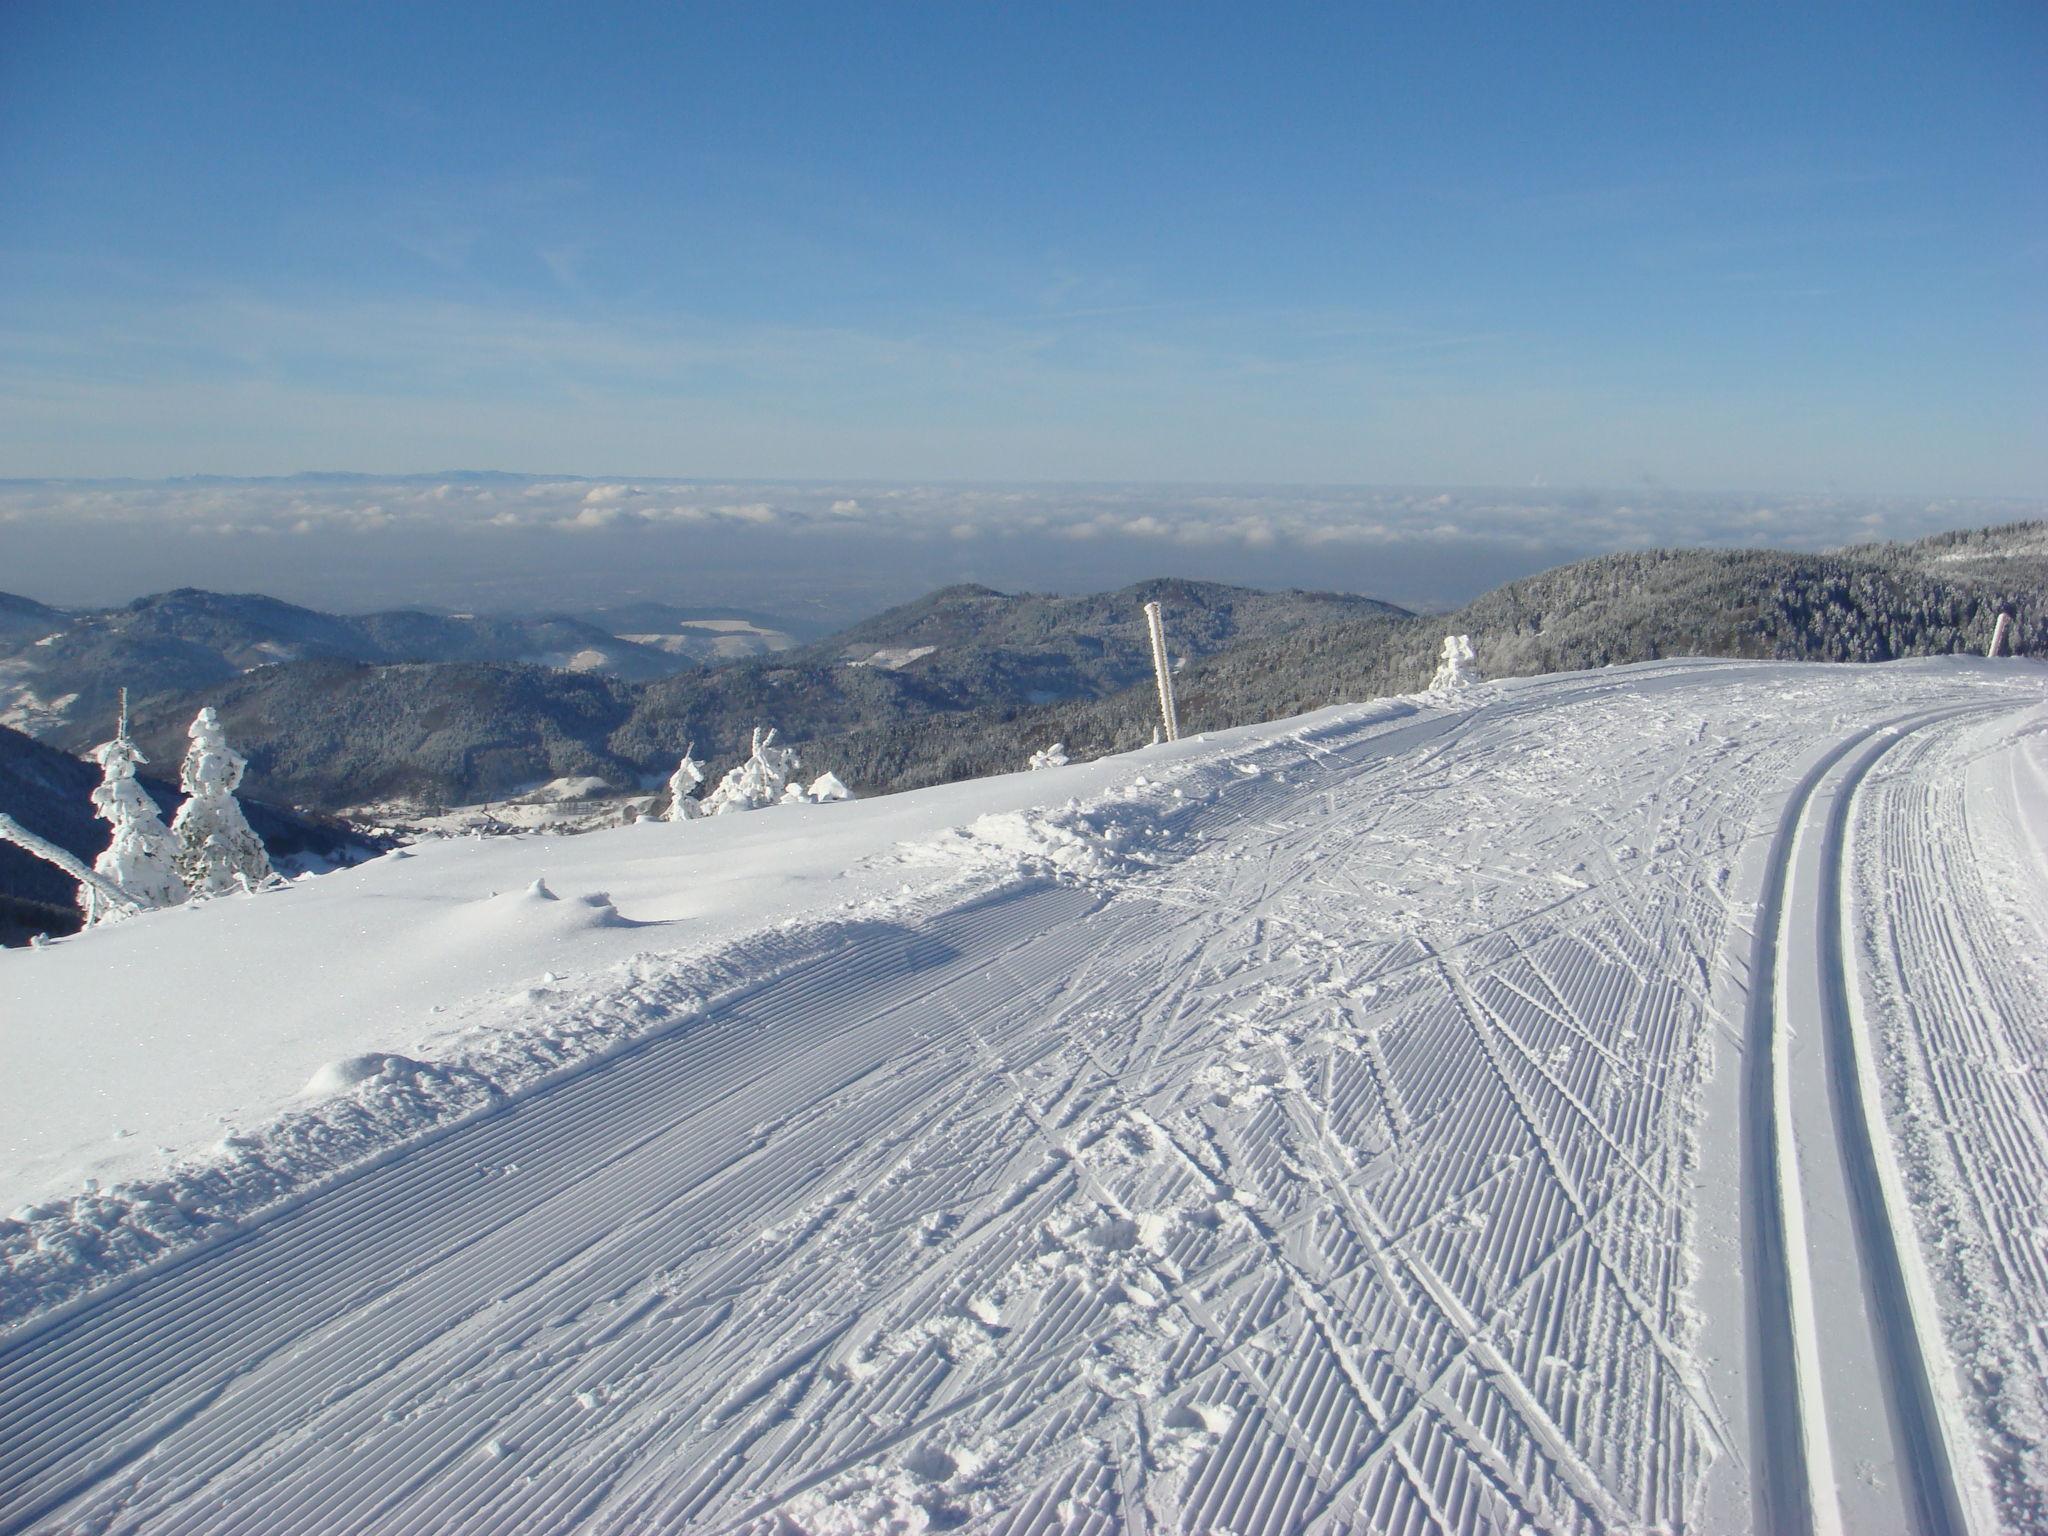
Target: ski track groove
1803,1377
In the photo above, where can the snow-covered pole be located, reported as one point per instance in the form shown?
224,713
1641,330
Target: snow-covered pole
1998,634
12,831
1162,671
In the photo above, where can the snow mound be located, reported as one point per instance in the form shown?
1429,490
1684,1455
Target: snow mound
1069,842
341,1076
827,786
530,915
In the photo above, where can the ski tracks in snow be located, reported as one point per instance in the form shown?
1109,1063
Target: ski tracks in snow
1848,1374
1334,1170
1946,970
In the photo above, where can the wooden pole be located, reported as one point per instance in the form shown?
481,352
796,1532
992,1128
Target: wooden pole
1998,634
1162,672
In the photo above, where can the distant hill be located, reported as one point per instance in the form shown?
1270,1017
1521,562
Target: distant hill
1877,602
50,793
60,672
333,733
991,648
23,620
968,680
337,734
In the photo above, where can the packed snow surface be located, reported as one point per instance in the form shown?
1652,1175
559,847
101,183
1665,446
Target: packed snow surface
1606,1102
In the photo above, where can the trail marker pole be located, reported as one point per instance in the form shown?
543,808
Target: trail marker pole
1998,634
1162,671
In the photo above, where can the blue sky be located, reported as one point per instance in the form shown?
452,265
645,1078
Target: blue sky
1744,247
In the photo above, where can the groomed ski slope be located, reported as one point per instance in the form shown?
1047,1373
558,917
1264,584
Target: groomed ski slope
1606,1102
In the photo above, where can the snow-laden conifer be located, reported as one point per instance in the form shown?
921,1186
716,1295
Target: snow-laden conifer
141,859
758,782
217,849
683,785
1456,669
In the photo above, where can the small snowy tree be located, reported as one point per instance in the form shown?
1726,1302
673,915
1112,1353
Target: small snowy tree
1054,756
141,859
683,785
1456,669
217,849
759,781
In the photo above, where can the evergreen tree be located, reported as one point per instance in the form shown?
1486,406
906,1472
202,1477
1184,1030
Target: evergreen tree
760,781
140,859
682,787
1455,668
217,849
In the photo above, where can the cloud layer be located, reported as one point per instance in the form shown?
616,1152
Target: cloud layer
838,549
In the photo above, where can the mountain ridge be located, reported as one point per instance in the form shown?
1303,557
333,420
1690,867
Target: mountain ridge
967,680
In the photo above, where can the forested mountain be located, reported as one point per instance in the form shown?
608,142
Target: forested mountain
1875,602
333,734
969,680
60,672
1070,647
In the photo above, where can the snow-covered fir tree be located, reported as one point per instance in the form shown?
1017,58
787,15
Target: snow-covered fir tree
683,785
217,849
760,781
1455,667
141,858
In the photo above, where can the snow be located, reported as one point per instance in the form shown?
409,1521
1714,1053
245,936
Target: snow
827,787
571,787
894,658
1362,1121
588,659
25,710
722,638
370,957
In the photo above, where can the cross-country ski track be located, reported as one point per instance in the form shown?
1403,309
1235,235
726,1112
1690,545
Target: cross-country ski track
1615,1102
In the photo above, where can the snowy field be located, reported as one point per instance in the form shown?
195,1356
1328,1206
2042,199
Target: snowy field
1614,1102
